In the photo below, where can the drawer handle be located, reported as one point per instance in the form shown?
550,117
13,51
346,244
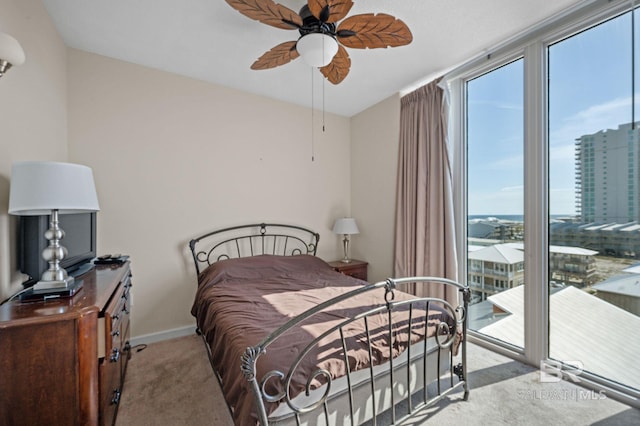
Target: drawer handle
115,333
115,317
115,400
115,355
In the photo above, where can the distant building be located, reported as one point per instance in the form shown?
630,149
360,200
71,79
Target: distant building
493,269
570,265
622,291
607,179
608,175
493,228
612,239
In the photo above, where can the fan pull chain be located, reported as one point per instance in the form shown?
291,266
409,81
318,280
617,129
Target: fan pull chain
323,40
323,97
312,119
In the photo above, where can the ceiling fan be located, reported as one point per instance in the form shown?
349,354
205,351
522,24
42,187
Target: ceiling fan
322,35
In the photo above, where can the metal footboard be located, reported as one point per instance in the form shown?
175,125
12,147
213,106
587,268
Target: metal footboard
393,391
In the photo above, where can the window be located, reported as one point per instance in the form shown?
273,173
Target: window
495,188
569,167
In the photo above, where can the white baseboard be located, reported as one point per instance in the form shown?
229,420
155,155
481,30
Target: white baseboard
163,335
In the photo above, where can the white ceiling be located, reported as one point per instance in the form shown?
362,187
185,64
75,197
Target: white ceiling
208,40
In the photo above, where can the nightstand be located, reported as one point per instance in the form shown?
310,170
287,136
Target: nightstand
355,268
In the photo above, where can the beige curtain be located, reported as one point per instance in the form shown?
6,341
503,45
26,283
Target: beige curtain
425,243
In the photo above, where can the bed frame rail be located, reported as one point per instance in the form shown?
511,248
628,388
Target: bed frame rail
252,240
400,376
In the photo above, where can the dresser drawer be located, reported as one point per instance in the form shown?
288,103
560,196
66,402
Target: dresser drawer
115,350
115,323
110,389
112,322
125,349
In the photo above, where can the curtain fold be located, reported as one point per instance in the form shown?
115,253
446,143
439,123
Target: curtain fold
425,243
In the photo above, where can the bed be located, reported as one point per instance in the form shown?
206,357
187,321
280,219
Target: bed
293,342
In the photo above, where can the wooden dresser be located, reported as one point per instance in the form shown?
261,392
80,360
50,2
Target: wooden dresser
63,361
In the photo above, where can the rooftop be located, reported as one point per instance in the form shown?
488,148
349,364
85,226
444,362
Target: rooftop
583,328
560,249
499,253
628,285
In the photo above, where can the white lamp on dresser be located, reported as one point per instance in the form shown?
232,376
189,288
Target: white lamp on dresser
52,188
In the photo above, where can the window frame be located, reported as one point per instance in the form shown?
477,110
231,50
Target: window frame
532,46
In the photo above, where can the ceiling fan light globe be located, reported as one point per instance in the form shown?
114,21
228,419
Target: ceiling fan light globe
317,49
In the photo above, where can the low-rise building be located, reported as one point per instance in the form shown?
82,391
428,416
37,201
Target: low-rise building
622,291
570,265
498,267
613,239
493,269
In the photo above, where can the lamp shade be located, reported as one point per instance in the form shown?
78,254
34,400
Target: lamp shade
346,225
37,187
10,50
317,49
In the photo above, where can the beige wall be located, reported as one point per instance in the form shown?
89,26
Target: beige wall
174,157
33,114
374,153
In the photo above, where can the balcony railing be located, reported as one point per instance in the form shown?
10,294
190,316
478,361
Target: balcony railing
493,272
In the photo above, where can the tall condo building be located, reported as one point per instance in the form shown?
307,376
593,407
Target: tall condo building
607,175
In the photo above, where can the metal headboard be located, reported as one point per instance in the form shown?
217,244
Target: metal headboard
252,240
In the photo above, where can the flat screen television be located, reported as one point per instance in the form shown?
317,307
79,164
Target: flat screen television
79,240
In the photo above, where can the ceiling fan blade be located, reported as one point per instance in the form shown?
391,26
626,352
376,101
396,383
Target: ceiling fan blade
279,55
268,12
337,9
338,68
370,31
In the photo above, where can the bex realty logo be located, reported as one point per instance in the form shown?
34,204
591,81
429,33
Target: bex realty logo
553,371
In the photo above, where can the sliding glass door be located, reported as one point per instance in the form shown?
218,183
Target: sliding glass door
594,191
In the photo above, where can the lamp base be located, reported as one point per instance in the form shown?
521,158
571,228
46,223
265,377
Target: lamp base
54,284
45,294
345,243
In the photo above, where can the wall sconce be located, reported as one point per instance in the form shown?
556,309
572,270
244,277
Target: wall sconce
11,53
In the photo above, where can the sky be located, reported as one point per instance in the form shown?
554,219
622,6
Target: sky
590,90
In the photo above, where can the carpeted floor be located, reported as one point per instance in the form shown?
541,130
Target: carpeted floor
171,383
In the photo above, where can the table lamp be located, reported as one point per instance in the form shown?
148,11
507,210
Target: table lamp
346,226
41,188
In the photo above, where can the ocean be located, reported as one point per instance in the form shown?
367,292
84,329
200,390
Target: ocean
512,217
